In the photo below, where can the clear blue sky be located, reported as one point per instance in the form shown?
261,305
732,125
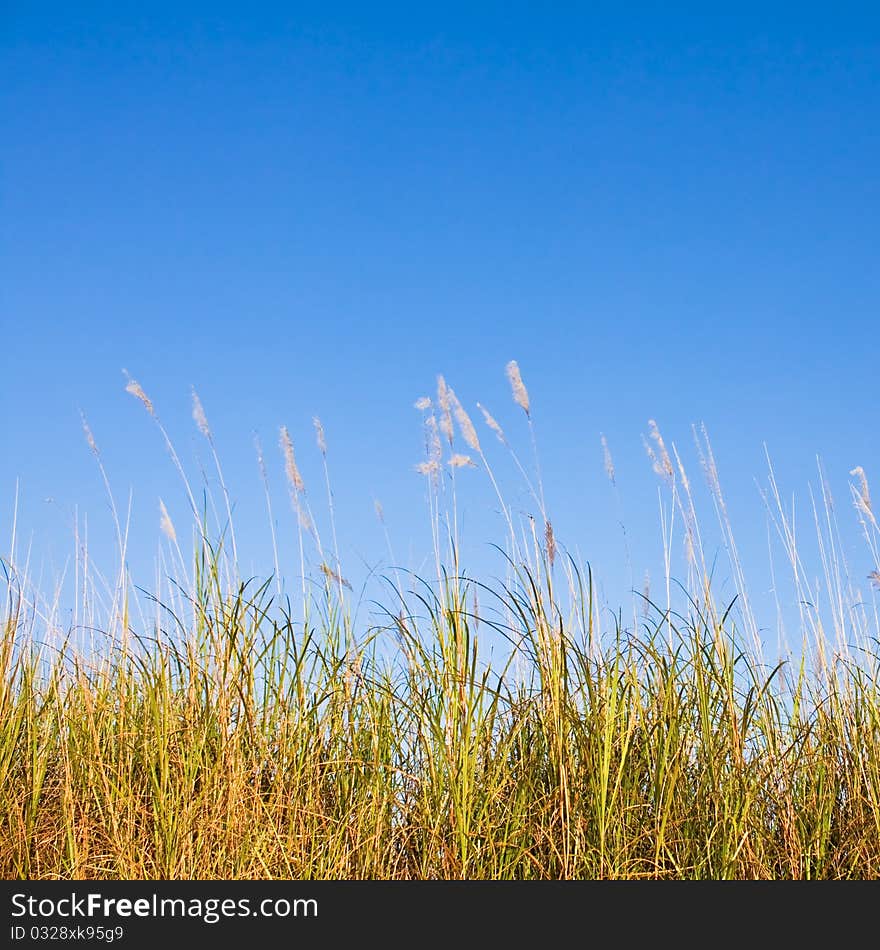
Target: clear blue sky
666,212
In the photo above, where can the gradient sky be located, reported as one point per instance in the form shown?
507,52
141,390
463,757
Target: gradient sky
660,212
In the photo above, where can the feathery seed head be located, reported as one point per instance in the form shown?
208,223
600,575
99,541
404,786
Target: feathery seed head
90,439
319,432
433,451
305,520
707,462
293,475
685,481
432,438
492,424
428,468
550,540
445,415
331,575
199,416
258,445
422,403
863,496
165,522
609,463
442,392
134,387
662,462
460,461
468,432
520,394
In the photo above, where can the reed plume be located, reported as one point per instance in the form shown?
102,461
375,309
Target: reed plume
609,463
468,432
136,390
520,393
165,523
90,439
199,416
492,424
443,402
661,461
319,433
550,541
862,494
293,476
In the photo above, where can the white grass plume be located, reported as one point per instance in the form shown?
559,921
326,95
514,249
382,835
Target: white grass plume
520,393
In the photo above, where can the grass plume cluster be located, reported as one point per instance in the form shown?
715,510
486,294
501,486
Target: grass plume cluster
246,736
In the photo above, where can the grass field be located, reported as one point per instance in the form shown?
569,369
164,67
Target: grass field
249,736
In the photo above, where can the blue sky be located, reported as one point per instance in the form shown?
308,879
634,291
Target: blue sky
660,213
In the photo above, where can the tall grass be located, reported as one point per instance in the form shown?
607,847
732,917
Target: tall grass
244,735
